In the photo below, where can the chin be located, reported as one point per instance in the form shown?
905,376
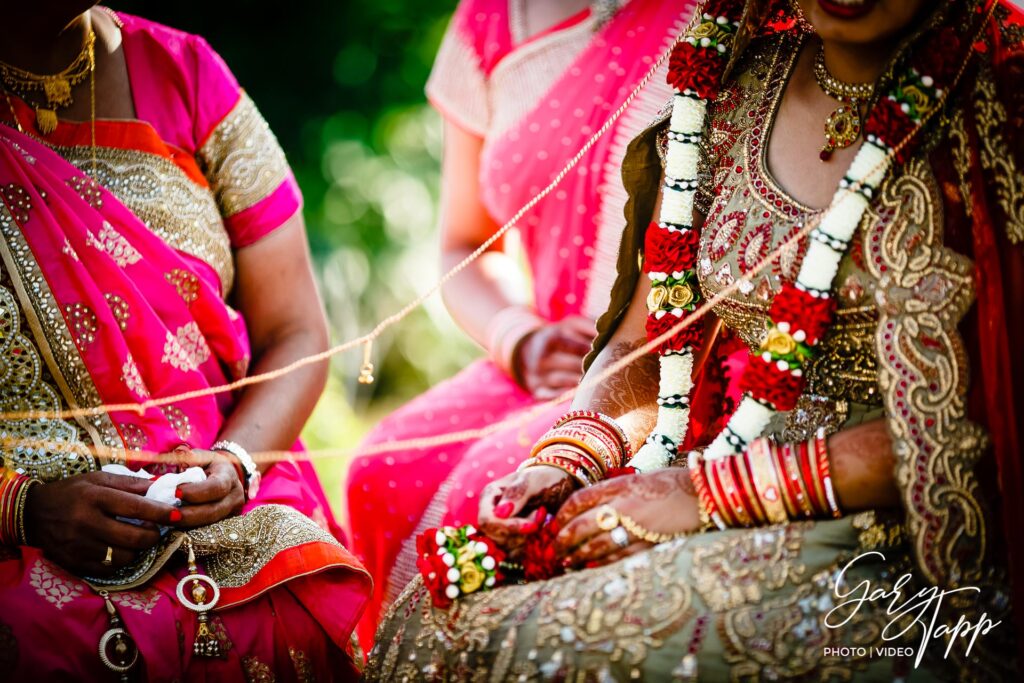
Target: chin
861,21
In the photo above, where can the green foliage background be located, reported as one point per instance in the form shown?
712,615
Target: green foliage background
341,84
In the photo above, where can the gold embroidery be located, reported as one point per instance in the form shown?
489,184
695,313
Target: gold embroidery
114,243
242,159
144,601
88,189
19,202
996,155
303,670
847,366
133,435
133,379
53,584
69,251
82,322
119,309
236,549
25,387
185,283
256,671
924,291
186,349
176,209
738,569
180,422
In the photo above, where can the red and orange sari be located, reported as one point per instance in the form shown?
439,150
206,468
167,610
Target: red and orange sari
115,267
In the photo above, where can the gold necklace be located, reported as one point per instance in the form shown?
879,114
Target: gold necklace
55,88
842,127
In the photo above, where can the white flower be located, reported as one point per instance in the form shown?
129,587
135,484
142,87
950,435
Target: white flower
870,165
819,267
488,563
452,591
650,457
453,575
677,206
681,160
687,115
448,559
747,422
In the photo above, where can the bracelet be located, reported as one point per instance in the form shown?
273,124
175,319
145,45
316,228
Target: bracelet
750,490
821,452
583,440
573,470
574,456
718,495
506,331
792,467
20,514
252,478
731,493
14,489
706,504
785,489
603,420
652,537
766,484
808,471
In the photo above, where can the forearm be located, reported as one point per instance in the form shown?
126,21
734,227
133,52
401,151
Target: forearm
863,467
495,283
269,416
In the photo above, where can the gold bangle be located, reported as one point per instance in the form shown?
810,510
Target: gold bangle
20,513
765,484
652,537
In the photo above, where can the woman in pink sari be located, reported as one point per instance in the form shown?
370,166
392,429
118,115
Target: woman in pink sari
522,85
138,200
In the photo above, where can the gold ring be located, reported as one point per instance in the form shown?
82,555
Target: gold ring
108,559
607,518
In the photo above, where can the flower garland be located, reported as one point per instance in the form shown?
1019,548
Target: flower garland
802,312
457,561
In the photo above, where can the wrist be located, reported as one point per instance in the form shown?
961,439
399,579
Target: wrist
15,491
245,466
505,334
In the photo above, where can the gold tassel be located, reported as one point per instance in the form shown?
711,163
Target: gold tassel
203,595
46,120
366,371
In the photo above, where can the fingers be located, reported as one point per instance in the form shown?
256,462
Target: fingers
110,531
119,503
584,500
220,481
581,326
597,548
573,345
210,513
135,485
576,532
561,361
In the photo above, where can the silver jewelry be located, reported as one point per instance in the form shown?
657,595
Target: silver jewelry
252,472
620,537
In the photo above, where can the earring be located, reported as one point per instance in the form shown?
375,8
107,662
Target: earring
117,650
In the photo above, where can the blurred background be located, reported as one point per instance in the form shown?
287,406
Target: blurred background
341,84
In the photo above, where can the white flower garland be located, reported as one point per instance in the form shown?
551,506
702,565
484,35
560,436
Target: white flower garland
829,243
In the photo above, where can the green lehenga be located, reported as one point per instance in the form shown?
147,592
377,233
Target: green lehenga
763,604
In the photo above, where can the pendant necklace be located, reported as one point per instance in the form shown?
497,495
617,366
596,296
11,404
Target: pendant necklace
842,127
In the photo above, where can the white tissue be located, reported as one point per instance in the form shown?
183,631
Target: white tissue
162,488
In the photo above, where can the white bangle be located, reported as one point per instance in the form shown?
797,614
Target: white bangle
249,467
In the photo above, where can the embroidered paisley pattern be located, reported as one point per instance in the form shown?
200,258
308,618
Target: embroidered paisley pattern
924,291
242,159
1006,177
117,247
186,349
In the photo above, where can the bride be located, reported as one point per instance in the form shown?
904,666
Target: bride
848,408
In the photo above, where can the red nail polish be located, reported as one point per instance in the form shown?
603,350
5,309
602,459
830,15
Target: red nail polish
529,527
504,510
540,515
177,493
175,516
591,565
566,563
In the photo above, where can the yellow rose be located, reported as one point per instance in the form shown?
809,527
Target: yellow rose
922,103
472,577
656,298
779,343
467,553
680,296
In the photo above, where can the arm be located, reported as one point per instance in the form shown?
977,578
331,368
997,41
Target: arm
545,358
284,324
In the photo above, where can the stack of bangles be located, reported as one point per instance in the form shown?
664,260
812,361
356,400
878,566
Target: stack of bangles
584,444
767,484
14,490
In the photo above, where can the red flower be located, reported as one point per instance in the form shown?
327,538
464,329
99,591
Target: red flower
426,543
539,559
892,125
699,69
434,572
688,336
802,311
667,251
763,380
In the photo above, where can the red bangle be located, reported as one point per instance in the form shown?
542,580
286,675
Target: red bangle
814,490
821,450
715,487
790,495
741,467
731,491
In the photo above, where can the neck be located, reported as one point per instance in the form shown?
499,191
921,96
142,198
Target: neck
857,63
34,41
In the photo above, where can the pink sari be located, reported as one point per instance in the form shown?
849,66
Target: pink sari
119,291
535,101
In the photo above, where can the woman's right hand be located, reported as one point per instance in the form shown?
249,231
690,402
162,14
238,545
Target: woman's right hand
550,360
74,520
516,504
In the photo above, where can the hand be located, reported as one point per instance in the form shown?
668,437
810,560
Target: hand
74,520
516,504
550,360
218,497
662,502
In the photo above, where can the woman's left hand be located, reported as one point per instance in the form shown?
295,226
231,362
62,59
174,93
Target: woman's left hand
218,497
663,502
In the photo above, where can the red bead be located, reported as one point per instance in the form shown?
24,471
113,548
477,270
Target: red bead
825,155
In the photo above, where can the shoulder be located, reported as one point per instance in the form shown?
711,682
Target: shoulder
158,37
484,25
